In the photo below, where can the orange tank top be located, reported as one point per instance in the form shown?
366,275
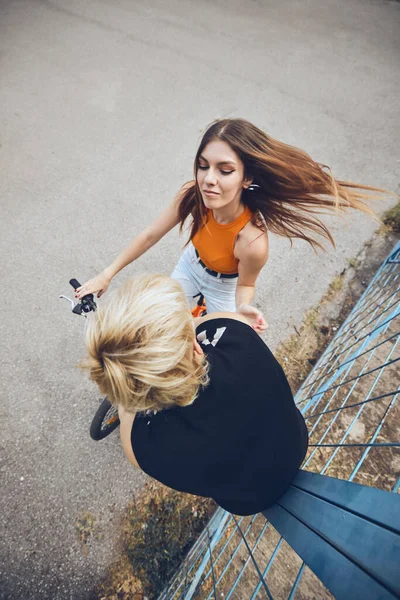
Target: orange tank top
215,242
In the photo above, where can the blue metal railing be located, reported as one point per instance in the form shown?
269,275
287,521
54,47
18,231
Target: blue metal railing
350,403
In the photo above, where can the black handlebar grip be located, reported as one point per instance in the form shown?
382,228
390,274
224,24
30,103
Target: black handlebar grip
75,283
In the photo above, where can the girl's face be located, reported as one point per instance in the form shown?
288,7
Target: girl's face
220,175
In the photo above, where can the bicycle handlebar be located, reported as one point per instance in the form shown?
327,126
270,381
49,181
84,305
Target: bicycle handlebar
75,283
87,303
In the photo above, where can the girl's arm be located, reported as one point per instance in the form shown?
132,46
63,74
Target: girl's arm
252,257
166,221
247,319
125,430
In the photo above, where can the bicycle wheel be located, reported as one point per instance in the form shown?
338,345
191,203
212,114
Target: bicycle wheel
104,421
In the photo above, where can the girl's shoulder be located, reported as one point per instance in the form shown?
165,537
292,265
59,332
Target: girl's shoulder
252,239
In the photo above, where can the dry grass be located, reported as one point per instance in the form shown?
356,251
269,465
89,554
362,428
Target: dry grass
301,351
391,219
86,529
158,528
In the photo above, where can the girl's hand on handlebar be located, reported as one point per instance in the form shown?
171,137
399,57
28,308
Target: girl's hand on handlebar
98,284
255,316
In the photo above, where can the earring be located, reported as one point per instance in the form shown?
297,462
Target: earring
253,187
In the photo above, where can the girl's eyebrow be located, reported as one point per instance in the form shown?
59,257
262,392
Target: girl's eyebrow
224,162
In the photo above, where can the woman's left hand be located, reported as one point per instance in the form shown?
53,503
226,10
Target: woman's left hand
255,317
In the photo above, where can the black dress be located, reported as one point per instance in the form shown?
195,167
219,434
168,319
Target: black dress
242,441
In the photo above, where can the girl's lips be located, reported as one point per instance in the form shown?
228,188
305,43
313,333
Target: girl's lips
210,193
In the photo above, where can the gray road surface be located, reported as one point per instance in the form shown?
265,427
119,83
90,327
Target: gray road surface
102,104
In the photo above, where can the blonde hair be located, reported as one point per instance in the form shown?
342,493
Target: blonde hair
140,346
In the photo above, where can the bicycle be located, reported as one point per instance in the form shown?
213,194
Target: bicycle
106,417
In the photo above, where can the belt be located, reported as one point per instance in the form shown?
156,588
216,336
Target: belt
215,273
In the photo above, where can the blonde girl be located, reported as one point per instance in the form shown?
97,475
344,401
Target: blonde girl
204,406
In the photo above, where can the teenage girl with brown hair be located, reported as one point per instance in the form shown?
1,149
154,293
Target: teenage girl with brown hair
245,184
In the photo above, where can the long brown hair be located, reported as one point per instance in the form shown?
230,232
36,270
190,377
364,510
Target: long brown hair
290,187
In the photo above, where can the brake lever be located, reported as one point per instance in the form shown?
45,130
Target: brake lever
69,300
86,305
78,308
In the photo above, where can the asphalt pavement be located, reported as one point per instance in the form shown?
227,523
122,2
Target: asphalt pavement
102,106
